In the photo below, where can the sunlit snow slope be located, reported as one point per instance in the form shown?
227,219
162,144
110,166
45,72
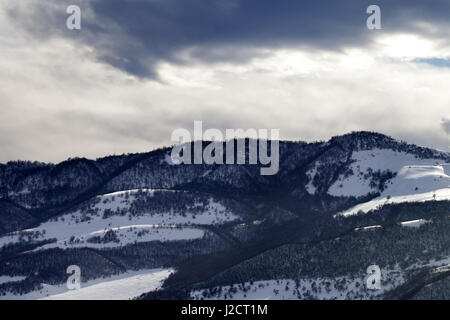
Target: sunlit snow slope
108,222
415,180
121,287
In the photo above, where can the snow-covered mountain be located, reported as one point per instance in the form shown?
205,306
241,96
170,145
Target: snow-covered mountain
140,212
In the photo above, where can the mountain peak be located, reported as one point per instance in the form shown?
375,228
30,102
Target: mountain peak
368,140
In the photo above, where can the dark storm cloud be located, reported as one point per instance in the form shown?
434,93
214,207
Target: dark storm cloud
151,31
134,35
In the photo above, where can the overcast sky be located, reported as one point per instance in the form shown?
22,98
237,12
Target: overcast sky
139,69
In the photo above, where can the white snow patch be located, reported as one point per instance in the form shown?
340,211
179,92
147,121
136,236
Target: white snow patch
339,288
368,228
129,234
398,162
6,279
413,183
310,188
414,223
121,287
164,226
439,195
213,213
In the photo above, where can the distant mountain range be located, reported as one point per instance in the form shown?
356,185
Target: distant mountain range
225,231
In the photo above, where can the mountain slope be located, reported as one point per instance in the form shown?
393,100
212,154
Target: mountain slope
139,211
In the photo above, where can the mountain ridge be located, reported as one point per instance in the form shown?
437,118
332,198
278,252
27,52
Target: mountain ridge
139,211
26,184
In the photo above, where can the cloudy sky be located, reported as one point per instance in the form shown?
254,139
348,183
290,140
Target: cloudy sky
139,69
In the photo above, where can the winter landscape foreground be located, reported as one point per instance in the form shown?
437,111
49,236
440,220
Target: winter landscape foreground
139,226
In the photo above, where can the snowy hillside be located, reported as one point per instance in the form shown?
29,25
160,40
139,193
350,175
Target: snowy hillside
108,223
123,287
317,289
414,179
357,180
334,208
